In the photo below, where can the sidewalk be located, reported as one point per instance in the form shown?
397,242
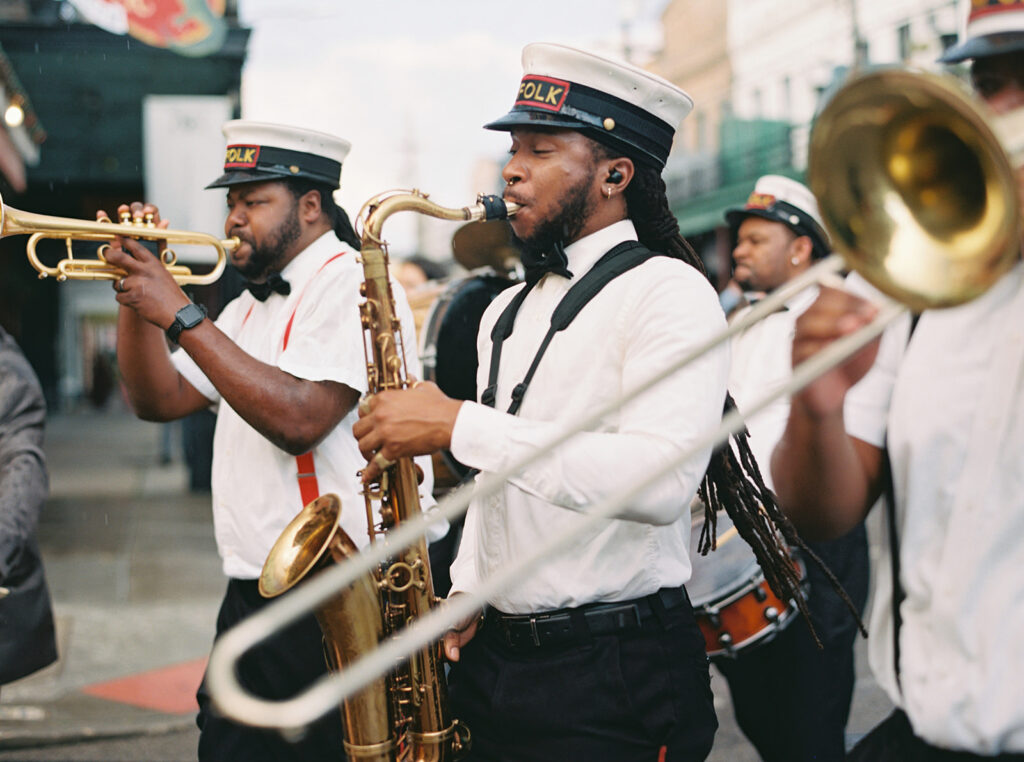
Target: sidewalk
136,582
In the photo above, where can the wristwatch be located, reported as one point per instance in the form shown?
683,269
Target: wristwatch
187,317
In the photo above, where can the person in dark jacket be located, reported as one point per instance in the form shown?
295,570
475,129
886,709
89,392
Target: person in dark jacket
27,641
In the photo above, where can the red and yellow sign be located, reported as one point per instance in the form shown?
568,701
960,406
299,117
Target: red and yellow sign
189,27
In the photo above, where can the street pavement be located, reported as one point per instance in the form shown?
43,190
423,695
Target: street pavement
136,582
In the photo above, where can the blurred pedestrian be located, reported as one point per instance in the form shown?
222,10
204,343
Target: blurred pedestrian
27,640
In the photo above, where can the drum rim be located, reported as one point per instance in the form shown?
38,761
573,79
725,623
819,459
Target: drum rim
718,593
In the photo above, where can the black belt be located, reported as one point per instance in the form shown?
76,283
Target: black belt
574,625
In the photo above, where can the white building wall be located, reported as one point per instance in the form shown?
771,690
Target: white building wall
785,53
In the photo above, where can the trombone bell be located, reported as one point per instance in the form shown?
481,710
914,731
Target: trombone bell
915,187
40,226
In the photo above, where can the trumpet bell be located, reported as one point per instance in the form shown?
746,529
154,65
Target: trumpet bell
915,188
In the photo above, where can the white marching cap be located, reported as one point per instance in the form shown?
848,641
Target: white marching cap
782,199
612,101
993,27
259,151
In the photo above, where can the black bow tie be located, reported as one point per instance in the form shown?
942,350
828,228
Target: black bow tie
537,265
273,284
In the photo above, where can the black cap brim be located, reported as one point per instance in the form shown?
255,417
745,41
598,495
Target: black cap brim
242,176
735,217
983,47
514,119
533,119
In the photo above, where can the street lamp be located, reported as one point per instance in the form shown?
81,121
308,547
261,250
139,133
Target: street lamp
14,115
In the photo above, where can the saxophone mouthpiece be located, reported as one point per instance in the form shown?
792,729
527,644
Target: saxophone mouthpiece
495,207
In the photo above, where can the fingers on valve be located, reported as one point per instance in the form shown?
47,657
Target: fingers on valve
382,462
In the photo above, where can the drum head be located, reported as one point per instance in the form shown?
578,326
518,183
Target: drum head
485,244
448,348
723,570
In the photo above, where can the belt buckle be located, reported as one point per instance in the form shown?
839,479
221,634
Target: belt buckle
534,635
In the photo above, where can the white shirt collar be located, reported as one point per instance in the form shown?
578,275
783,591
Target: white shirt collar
801,300
585,252
306,262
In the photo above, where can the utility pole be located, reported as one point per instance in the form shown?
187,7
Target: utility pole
627,14
860,45
410,154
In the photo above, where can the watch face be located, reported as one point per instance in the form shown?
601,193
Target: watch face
191,315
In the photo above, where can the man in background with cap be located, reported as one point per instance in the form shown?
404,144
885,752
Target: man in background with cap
596,655
778,234
284,366
940,407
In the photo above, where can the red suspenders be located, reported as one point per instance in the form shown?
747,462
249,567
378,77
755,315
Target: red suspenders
309,490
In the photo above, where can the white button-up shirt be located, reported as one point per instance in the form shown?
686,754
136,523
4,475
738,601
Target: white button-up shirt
254,484
762,363
638,324
952,402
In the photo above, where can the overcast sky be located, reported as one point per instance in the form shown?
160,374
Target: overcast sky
411,82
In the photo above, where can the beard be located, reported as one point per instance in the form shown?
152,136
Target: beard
268,254
565,226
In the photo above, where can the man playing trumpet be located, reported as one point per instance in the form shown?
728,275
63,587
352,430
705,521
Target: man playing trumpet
284,367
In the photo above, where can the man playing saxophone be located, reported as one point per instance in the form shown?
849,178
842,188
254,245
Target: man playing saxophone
284,367
597,656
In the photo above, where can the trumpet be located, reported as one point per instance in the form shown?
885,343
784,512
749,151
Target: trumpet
889,212
41,226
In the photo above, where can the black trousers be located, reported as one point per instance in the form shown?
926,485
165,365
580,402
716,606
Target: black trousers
282,666
792,699
893,740
642,694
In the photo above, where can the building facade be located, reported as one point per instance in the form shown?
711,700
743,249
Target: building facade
759,71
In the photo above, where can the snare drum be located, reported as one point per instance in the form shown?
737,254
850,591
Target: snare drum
448,348
734,607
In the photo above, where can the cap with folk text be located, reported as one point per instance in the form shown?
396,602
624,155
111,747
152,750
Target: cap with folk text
259,151
613,102
782,199
994,27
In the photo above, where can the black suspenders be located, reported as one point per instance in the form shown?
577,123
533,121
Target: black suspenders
614,263
898,593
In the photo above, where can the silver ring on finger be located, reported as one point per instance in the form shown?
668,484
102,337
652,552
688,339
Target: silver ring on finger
120,286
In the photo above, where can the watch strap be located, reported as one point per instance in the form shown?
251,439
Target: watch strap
187,317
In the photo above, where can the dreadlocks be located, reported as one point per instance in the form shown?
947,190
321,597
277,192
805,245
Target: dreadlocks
340,222
733,481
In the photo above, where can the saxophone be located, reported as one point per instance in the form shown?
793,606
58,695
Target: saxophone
403,716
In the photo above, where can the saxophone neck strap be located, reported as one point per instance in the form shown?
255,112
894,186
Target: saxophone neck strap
620,259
